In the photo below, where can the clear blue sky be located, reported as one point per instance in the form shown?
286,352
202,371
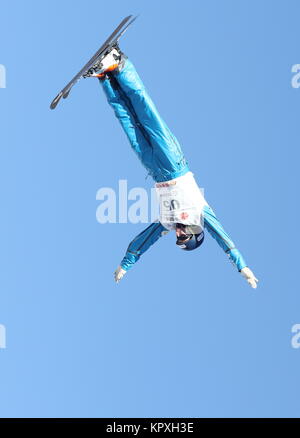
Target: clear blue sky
183,334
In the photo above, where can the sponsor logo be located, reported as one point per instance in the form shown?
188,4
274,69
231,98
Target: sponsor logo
165,184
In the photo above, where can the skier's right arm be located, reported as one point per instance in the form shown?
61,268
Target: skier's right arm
138,246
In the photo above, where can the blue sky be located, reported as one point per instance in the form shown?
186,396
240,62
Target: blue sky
183,334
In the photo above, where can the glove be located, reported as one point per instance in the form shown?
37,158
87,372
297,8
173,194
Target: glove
250,277
119,274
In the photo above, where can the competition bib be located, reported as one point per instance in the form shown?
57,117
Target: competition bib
180,201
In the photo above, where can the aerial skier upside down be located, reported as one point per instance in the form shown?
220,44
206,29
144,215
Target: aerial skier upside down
183,207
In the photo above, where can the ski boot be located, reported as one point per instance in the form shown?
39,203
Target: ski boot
111,61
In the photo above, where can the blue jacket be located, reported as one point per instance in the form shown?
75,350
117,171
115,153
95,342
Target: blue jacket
151,234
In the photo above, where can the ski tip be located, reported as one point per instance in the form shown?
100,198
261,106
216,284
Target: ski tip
135,17
130,19
66,94
56,100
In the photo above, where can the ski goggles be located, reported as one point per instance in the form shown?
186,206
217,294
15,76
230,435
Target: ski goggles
189,229
183,239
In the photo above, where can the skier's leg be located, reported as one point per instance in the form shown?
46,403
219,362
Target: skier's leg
167,154
124,112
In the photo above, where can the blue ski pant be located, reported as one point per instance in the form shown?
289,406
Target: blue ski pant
150,138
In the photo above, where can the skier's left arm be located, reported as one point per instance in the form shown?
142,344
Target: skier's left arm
216,230
140,244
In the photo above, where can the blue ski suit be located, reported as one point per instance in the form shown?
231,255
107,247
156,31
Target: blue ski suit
160,153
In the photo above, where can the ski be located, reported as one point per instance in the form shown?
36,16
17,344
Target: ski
96,59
